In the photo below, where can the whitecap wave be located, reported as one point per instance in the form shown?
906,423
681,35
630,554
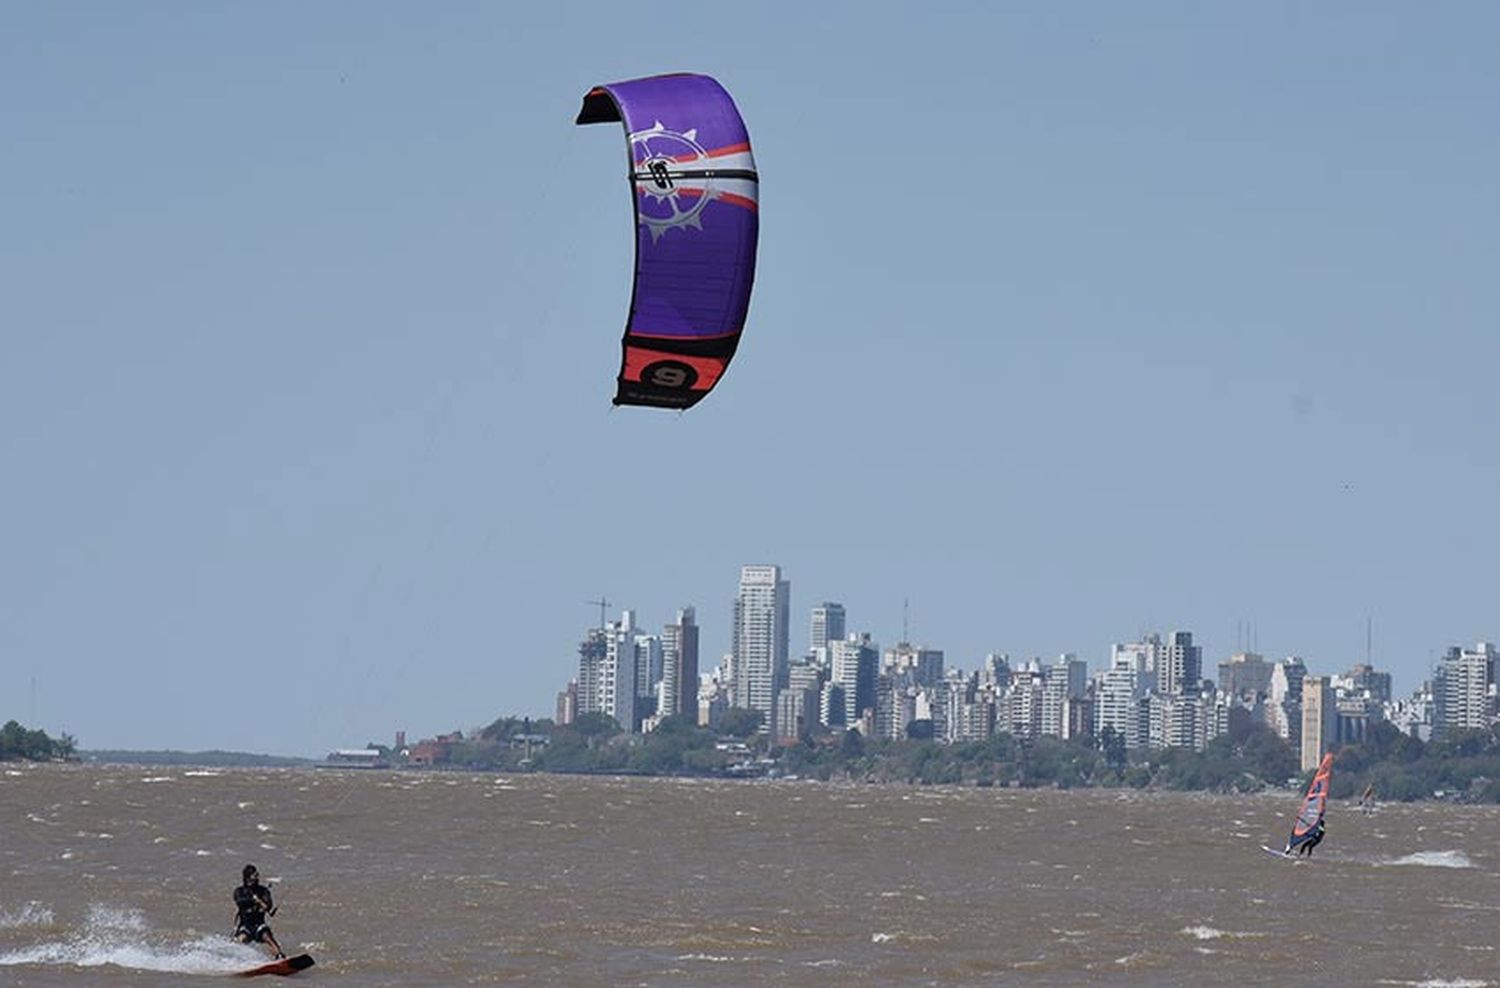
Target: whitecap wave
1434,859
31,914
1202,932
901,935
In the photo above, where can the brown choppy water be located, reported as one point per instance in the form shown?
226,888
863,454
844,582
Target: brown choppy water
122,876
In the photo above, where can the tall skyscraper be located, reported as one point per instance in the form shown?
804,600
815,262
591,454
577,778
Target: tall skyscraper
1025,712
1121,700
1286,680
590,689
1064,681
827,625
679,655
1461,688
606,672
648,672
759,640
1284,710
856,662
621,662
1119,703
1180,667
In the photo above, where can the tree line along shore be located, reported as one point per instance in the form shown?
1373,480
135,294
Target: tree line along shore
1463,767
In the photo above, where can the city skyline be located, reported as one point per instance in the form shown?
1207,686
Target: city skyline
1156,692
1409,676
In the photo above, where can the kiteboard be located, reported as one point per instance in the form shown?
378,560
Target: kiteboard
283,966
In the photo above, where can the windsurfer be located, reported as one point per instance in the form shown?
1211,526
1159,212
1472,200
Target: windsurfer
1313,840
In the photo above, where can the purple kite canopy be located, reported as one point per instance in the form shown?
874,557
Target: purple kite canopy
695,192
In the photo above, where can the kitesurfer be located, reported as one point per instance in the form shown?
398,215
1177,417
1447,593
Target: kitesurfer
253,900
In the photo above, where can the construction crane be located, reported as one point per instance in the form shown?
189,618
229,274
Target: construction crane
603,606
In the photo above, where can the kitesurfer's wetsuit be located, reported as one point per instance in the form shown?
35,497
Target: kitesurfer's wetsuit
253,900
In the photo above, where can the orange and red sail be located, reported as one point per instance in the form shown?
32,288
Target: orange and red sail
1313,805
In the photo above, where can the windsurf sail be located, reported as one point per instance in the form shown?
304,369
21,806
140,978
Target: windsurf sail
1313,805
696,195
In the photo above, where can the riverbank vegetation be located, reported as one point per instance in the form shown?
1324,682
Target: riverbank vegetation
18,744
1250,758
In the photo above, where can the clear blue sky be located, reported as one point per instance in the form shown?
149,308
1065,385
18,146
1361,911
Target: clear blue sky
1071,321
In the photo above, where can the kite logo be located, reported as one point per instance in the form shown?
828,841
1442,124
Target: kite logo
661,175
664,158
669,374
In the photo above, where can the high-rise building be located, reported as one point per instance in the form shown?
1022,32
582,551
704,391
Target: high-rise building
1462,689
855,662
1175,720
648,672
679,665
996,671
1064,681
1024,716
1246,675
1286,680
1414,716
831,708
621,662
1119,701
1319,720
567,705
759,640
827,625
923,665
591,654
1143,656
796,713
1283,709
971,707
1353,717
886,715
1180,665
607,672
1079,722
1364,679
804,675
